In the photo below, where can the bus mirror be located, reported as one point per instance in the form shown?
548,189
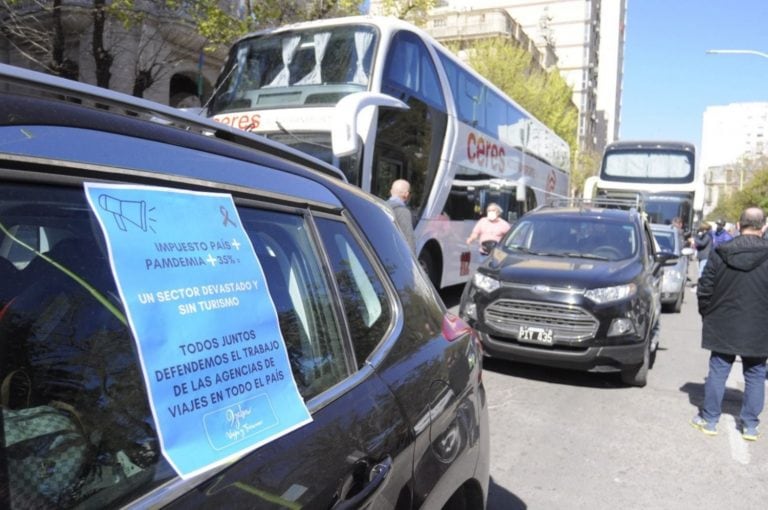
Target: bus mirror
344,135
520,191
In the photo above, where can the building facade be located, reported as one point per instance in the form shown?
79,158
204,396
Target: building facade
732,136
161,56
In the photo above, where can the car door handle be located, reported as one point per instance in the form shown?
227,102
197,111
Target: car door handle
378,474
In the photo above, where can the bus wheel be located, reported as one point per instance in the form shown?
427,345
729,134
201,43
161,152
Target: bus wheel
427,262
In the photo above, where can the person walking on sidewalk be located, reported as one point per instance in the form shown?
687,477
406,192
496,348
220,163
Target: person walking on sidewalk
733,299
702,241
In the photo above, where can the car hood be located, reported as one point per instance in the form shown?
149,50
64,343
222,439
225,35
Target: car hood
560,271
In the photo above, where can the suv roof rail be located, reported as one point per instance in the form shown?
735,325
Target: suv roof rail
635,203
20,81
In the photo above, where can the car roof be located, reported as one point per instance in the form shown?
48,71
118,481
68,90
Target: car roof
83,105
46,119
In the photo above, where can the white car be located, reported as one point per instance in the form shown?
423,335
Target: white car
670,240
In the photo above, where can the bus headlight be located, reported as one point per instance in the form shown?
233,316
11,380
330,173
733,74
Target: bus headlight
608,294
485,283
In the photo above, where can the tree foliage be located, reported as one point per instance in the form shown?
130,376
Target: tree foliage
221,26
752,175
35,30
415,11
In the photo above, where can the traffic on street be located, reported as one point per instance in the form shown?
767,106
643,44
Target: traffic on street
401,255
563,439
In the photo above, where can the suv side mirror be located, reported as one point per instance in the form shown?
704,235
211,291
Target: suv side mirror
665,258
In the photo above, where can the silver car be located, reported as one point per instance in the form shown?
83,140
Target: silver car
670,239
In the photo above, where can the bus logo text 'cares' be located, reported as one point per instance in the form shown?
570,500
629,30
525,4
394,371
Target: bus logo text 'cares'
485,153
244,121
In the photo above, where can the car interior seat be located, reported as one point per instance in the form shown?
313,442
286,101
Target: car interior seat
76,351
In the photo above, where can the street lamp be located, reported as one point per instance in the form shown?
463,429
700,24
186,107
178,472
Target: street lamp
738,52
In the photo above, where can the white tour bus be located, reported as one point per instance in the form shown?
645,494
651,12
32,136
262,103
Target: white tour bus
382,100
662,173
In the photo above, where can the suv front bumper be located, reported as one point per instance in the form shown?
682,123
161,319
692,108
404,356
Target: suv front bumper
602,358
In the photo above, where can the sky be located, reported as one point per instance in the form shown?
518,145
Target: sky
669,79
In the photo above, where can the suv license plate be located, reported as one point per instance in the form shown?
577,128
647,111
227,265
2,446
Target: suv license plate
535,335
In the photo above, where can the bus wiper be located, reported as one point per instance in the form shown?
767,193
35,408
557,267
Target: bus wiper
300,140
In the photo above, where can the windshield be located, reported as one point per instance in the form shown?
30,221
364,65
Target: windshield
664,209
648,166
579,237
304,67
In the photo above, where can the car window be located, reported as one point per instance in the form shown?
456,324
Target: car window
363,293
301,296
71,364
665,240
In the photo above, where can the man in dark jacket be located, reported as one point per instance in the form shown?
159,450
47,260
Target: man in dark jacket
702,241
399,194
733,303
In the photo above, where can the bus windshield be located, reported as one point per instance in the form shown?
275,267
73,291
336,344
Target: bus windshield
648,167
296,68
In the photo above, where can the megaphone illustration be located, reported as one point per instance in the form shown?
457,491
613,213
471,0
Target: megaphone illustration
132,211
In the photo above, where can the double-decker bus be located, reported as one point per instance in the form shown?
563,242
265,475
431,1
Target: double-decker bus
382,100
661,173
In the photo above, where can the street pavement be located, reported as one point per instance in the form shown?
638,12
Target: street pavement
570,440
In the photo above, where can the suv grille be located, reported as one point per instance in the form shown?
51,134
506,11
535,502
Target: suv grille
568,323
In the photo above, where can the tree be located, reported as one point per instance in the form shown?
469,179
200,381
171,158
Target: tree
753,180
36,30
587,164
40,29
415,11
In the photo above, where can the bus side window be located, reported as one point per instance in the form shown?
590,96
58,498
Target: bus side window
460,204
409,142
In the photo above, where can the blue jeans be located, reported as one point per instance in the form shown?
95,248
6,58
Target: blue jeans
702,264
754,388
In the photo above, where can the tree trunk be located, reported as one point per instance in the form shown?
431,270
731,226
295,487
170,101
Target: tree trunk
101,56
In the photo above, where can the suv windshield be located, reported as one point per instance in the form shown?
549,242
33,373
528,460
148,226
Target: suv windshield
577,236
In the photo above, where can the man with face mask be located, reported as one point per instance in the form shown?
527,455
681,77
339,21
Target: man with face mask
491,228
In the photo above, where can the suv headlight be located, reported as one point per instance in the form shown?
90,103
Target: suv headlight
608,294
485,283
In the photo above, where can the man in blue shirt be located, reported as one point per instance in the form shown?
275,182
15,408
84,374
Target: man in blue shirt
720,235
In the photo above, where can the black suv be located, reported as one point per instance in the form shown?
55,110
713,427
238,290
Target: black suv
573,287
193,316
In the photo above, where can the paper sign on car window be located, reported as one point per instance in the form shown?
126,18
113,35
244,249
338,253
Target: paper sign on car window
211,350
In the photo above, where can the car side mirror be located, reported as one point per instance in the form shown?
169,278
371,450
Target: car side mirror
665,258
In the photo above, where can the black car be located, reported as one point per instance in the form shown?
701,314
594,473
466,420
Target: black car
194,317
572,287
